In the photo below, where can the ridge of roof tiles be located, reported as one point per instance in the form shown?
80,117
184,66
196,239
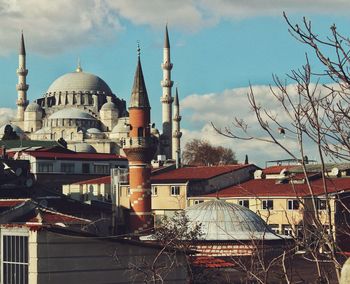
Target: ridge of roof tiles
196,173
269,187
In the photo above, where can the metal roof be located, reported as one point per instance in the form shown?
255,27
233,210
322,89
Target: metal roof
225,221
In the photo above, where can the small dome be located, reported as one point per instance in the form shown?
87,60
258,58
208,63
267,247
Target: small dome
228,221
14,127
93,131
122,126
44,130
71,113
108,106
33,107
83,148
79,82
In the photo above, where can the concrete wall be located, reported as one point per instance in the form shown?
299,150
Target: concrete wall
74,259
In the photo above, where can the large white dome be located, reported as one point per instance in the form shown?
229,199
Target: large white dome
221,220
71,113
79,82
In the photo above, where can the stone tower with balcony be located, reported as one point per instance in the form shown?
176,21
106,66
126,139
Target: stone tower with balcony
140,148
22,86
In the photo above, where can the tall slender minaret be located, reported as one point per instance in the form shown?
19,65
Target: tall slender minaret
140,148
22,86
176,130
166,99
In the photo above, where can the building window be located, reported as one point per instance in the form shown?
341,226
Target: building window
175,190
45,167
101,169
198,201
267,204
244,203
321,204
86,168
275,228
67,168
287,230
154,191
14,259
293,204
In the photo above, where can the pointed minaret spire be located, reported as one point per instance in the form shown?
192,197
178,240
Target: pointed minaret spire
22,48
139,96
166,99
166,38
176,131
22,86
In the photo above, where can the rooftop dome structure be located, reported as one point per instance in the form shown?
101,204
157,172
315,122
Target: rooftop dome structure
33,107
71,113
93,130
122,126
108,106
225,221
83,148
79,82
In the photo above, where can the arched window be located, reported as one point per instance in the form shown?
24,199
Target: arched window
140,132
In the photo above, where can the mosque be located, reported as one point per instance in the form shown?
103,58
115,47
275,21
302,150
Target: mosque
82,109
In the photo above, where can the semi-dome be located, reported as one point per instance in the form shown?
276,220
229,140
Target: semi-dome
33,107
93,130
79,82
108,106
83,148
228,221
71,113
122,126
15,128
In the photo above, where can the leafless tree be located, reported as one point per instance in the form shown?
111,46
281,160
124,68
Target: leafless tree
318,114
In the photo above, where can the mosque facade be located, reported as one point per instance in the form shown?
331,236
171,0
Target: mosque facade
82,109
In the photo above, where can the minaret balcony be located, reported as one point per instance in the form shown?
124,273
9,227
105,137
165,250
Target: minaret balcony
167,66
177,118
22,71
139,142
22,87
166,100
167,83
177,134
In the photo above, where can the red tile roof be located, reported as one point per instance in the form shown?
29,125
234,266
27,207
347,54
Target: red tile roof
275,169
53,217
74,156
269,187
210,262
196,173
11,202
101,180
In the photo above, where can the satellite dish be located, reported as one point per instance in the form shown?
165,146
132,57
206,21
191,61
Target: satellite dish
284,172
43,203
18,171
258,174
335,172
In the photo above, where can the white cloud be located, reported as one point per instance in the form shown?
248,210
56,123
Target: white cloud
54,26
6,114
199,110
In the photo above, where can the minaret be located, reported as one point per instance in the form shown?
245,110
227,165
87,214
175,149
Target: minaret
166,99
176,130
140,148
22,86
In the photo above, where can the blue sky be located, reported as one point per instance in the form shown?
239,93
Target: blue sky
217,47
